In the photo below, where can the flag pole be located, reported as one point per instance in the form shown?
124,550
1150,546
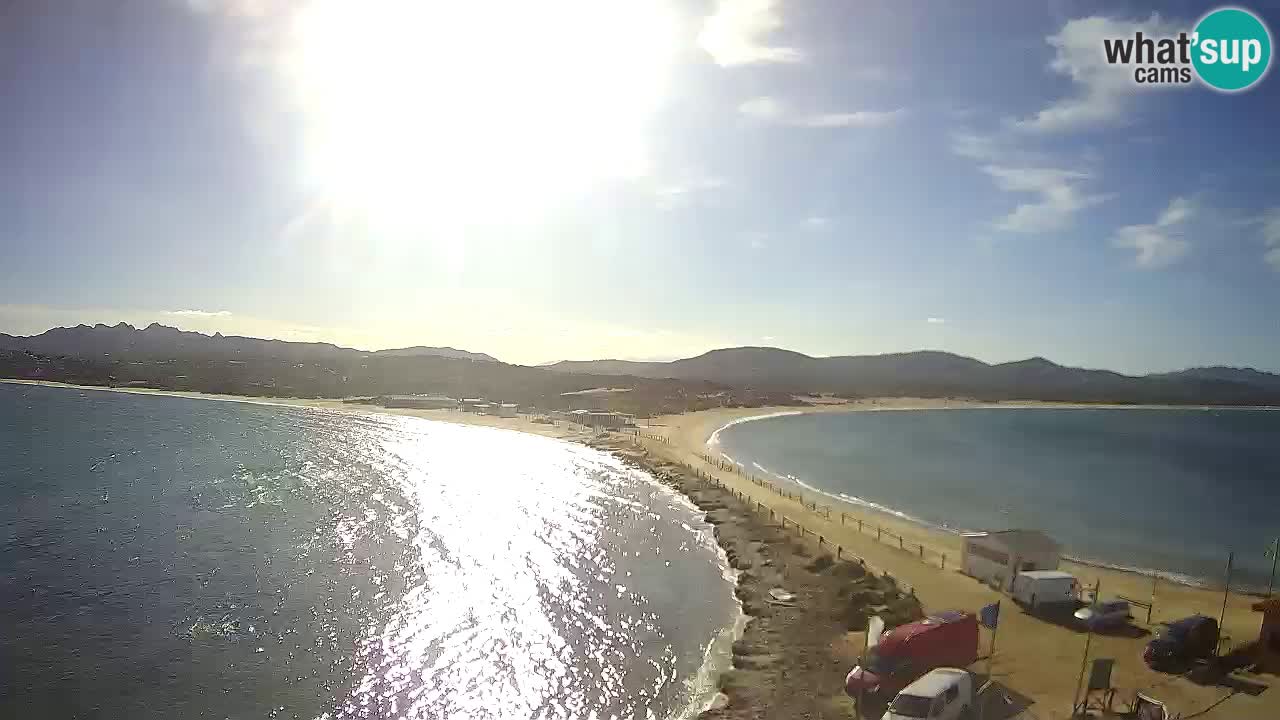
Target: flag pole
1226,593
1274,552
1084,661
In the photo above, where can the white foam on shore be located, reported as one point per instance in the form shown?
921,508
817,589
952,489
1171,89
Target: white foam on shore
715,436
1166,575
717,658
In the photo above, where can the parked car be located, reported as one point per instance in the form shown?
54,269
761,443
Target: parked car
1182,640
948,639
1047,589
942,694
1104,614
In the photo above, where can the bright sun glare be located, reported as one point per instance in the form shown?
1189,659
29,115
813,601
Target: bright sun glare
425,112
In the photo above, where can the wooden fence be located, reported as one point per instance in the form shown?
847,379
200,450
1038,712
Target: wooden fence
882,534
786,523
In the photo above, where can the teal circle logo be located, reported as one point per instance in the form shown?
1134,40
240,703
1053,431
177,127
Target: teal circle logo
1231,49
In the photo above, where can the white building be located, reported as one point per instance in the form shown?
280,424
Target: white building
507,410
995,556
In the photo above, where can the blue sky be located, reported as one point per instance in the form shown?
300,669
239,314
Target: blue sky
567,179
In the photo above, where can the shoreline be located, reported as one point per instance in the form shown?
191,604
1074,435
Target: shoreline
861,504
1036,664
788,657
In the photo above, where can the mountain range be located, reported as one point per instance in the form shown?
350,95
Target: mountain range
942,374
156,341
761,370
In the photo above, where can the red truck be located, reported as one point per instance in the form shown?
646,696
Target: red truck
947,639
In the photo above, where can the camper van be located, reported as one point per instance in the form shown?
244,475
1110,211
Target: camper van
909,651
1044,589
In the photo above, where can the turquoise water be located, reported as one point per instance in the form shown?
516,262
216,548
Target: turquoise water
1168,490
164,557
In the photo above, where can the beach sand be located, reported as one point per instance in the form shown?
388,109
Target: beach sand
1036,664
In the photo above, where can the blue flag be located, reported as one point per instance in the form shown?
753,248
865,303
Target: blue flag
990,615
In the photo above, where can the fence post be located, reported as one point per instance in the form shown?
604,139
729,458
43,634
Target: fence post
921,551
944,561
839,552
900,545
879,530
859,526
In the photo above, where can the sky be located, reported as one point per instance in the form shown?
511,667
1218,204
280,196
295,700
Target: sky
579,179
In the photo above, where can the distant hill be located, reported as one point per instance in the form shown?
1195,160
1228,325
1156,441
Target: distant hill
1226,374
942,374
258,366
448,352
157,341
167,358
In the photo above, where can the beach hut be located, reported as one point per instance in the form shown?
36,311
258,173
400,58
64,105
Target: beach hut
1268,657
507,410
996,556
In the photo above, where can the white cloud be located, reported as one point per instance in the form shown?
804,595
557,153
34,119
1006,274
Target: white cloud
1180,209
1273,258
1062,192
1271,227
1161,243
976,147
769,109
736,34
761,108
1271,236
1060,197
199,313
870,73
234,8
862,118
684,191
1102,93
936,321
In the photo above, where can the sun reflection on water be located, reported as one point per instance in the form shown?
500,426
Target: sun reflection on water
518,609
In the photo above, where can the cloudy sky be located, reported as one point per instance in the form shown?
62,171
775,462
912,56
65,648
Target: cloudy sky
611,178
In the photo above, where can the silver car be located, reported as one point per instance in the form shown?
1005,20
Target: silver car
1107,613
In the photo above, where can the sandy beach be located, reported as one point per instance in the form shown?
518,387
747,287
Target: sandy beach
1036,663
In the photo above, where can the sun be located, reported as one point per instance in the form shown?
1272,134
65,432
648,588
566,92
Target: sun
417,113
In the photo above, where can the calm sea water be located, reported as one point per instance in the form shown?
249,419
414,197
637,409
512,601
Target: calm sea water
164,557
1170,490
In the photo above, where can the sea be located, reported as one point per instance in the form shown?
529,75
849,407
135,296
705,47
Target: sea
1171,492
167,557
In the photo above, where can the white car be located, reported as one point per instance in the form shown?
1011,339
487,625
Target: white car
1108,613
942,694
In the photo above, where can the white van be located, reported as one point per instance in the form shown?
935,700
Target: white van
1039,588
942,694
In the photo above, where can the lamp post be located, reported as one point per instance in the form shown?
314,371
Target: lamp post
1273,551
